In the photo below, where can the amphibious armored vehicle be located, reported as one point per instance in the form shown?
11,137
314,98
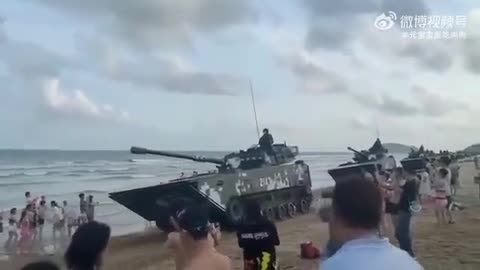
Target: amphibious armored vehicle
416,160
369,161
282,187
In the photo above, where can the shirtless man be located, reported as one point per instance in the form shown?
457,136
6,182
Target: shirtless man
194,232
174,241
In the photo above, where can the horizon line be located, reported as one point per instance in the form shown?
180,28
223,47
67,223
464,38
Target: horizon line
128,150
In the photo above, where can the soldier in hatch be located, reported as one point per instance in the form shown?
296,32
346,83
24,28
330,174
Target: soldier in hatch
266,143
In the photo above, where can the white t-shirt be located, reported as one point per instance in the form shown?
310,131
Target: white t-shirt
57,214
425,188
70,213
371,253
445,183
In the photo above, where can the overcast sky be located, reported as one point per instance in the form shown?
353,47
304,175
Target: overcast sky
174,74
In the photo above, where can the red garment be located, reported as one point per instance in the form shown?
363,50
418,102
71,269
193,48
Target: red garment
309,251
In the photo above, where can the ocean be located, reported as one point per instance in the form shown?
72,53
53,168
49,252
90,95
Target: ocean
62,175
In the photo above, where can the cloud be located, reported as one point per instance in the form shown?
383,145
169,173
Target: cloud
31,61
333,24
471,46
77,104
367,99
359,122
150,24
406,7
396,107
172,74
434,56
434,104
313,78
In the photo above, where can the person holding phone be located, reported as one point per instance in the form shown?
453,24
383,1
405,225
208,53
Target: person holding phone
174,241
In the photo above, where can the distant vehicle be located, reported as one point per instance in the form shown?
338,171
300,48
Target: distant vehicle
283,188
369,161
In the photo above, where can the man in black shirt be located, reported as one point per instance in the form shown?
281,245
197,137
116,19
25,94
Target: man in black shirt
266,142
257,236
407,198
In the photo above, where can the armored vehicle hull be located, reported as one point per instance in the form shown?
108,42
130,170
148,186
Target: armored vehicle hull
414,164
282,191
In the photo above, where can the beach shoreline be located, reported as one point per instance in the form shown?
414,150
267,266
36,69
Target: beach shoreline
454,246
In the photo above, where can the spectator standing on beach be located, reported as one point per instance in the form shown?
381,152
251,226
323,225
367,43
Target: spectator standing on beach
58,220
174,241
26,224
407,201
356,216
70,217
194,231
88,245
440,194
1,221
395,194
41,216
425,190
91,209
83,209
257,236
28,198
444,178
455,173
12,230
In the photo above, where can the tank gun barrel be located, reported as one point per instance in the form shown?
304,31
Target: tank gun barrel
143,151
357,152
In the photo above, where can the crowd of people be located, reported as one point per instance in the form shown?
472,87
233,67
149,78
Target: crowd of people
25,228
363,210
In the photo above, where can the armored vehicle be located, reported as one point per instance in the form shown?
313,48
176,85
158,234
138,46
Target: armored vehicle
365,162
417,159
282,188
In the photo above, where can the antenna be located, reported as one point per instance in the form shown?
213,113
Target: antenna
254,109
377,130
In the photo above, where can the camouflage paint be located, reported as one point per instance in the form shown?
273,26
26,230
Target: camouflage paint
221,187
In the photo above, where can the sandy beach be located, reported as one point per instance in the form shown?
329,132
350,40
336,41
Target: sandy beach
438,247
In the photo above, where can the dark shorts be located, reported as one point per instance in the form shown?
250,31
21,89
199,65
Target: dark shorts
390,208
449,201
41,221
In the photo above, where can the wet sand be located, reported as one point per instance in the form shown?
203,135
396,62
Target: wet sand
438,247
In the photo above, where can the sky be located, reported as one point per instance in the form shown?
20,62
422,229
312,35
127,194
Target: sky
175,75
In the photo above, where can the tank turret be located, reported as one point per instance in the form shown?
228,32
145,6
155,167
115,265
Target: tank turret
252,158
